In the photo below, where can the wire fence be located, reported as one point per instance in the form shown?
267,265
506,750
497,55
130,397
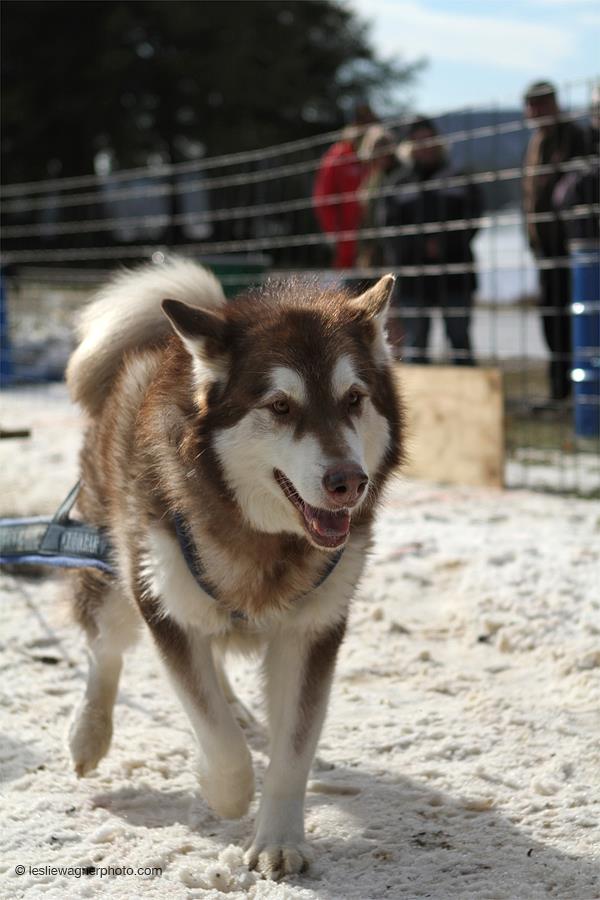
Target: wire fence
254,213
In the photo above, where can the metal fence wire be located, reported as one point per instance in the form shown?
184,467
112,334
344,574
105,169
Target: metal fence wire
253,214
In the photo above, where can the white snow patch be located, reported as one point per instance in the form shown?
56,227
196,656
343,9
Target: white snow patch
460,758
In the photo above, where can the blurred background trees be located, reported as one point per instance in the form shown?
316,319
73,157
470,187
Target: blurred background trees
131,83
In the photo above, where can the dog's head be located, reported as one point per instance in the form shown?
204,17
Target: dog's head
297,403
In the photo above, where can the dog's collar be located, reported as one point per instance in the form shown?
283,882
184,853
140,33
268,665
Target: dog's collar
194,564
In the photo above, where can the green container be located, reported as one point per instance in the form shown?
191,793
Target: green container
237,273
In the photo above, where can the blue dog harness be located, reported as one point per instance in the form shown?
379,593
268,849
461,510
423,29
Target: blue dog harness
190,554
65,543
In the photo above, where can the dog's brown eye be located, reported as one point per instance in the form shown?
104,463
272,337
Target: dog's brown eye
354,399
280,407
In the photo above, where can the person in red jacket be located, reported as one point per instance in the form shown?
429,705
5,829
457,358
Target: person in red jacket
335,195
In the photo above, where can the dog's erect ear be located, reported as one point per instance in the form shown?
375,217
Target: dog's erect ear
375,301
201,330
372,307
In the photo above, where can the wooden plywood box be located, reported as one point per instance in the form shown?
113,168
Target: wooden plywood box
455,423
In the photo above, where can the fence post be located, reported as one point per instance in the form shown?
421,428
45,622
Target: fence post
585,309
6,368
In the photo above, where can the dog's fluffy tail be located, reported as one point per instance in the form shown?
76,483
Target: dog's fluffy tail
126,314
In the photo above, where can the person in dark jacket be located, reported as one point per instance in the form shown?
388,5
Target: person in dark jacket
579,191
554,142
437,225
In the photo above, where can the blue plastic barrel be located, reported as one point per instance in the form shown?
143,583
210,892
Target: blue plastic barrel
585,309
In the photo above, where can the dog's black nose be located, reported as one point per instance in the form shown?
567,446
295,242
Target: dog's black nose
345,484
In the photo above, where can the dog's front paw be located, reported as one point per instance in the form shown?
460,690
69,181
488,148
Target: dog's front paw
276,859
229,791
89,739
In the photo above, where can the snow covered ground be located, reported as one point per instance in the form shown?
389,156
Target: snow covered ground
460,758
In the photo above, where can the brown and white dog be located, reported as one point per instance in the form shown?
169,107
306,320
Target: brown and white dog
263,431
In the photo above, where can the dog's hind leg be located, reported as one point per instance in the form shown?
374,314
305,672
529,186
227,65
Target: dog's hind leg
110,623
222,676
243,715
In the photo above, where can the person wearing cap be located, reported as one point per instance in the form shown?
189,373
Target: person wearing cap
335,194
435,263
554,142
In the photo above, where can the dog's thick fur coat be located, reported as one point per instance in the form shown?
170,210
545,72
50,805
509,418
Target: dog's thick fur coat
269,425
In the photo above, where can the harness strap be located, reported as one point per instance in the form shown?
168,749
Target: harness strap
188,549
331,564
58,541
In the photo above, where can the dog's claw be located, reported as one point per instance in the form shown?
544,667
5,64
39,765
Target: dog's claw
277,860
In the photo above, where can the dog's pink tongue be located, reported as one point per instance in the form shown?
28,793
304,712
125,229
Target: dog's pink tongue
330,524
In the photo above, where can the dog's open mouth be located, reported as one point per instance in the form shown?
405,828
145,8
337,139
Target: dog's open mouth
325,527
